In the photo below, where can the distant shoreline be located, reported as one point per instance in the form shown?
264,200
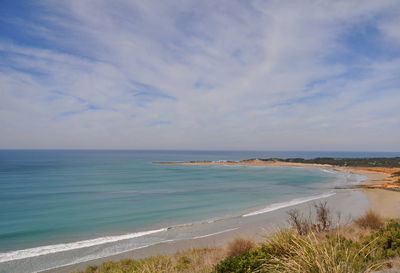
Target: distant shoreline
388,178
382,185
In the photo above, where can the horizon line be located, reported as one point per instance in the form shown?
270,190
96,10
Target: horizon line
189,150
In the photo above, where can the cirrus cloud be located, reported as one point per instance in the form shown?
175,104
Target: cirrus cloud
319,75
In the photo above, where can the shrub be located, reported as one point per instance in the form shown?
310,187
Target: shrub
183,263
398,176
91,269
370,220
298,222
323,220
245,262
323,217
386,240
239,245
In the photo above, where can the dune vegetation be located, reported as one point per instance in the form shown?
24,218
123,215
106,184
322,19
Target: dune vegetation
315,244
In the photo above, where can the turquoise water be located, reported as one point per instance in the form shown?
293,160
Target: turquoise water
53,197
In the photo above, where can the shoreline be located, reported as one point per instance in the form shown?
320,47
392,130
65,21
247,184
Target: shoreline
350,204
378,177
379,187
384,201
379,200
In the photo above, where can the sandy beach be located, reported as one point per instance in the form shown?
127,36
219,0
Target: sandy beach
383,201
350,203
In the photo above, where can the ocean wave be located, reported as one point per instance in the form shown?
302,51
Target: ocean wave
43,250
290,203
93,257
348,177
325,170
358,178
344,177
215,233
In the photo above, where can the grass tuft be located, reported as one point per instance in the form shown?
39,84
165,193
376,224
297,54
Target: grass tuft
305,254
370,220
238,246
199,260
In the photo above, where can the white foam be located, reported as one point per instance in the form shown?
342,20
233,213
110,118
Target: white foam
216,233
290,203
43,250
350,178
325,170
93,257
358,178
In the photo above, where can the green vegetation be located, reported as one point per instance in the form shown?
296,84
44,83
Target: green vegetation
398,176
239,245
325,247
388,162
386,241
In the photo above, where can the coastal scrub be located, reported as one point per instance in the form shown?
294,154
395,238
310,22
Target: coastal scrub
283,252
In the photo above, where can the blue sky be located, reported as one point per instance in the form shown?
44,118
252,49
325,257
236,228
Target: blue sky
241,75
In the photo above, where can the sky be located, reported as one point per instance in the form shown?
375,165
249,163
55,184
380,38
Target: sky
200,75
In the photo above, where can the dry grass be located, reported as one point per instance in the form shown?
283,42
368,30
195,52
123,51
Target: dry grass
370,220
351,231
306,254
238,246
322,222
199,260
394,265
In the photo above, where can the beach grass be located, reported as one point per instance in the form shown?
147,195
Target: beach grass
239,245
196,260
370,220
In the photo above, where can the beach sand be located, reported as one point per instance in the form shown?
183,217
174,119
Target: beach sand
383,201
350,204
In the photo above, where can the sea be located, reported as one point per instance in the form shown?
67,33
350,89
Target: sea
62,207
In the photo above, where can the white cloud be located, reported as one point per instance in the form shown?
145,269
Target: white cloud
202,75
